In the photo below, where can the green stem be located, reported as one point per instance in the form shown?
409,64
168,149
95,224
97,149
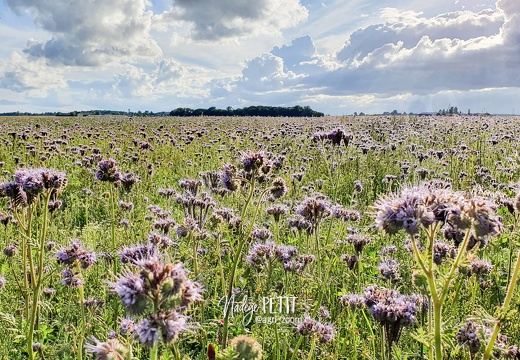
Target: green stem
176,352
155,349
455,265
251,191
313,346
437,319
241,244
83,317
298,344
503,310
154,352
37,285
195,256
221,268
115,304
230,292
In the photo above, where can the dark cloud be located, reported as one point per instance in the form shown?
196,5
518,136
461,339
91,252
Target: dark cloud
230,19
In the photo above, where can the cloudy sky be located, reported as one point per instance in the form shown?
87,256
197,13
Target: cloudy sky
337,56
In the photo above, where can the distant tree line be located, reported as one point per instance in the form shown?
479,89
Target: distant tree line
274,111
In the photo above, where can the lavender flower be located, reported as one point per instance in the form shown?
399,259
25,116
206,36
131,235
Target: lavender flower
314,209
131,291
127,327
309,326
228,178
480,268
128,180
441,251
164,326
126,205
389,269
353,301
132,253
10,250
339,212
261,253
391,309
253,161
261,234
69,255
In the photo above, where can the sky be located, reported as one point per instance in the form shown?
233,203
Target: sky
336,56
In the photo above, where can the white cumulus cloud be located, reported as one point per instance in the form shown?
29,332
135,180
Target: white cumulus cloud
35,78
168,78
91,32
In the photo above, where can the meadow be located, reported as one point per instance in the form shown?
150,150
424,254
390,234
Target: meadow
372,237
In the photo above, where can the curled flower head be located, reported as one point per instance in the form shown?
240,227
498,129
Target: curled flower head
69,255
128,180
441,251
350,260
126,326
468,336
314,208
353,301
253,161
403,211
278,188
31,181
261,253
133,253
15,193
112,349
358,240
191,186
261,234
339,212
277,211
108,171
10,250
389,269
309,326
392,309
228,178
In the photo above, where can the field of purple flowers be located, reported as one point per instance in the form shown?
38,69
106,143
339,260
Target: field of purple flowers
250,238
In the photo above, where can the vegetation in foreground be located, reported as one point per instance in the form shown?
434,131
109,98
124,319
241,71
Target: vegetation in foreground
279,238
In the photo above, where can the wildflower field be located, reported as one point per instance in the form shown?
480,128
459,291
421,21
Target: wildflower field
249,238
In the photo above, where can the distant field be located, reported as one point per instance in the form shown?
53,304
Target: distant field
289,230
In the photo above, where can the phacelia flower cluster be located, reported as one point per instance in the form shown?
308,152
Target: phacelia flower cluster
161,292
422,206
28,184
309,326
